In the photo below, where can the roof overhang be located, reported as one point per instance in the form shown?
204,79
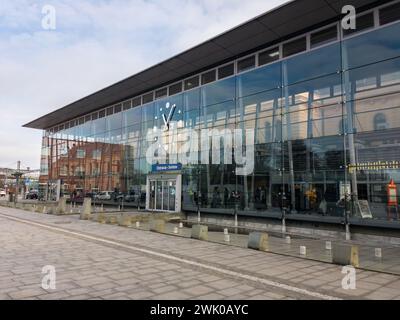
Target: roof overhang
282,22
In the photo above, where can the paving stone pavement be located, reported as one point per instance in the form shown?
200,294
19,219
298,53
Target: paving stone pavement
137,264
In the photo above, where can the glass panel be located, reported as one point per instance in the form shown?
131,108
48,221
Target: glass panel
191,99
148,113
313,64
218,92
261,79
172,195
374,46
377,163
114,121
132,116
374,80
159,195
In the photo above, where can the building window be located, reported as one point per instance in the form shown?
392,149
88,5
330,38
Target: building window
80,154
110,111
294,47
268,56
226,71
148,98
380,122
161,93
96,154
324,36
192,83
64,170
389,14
175,88
208,77
118,108
246,64
127,105
136,102
362,23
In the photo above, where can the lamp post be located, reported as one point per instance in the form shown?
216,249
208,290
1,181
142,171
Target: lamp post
347,214
18,174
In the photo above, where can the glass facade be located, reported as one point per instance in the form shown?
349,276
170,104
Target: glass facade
326,136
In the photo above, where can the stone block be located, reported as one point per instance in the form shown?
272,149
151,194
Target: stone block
62,206
112,220
157,225
258,241
345,254
200,232
100,217
125,220
86,212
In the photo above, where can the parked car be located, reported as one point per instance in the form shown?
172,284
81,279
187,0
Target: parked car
131,197
118,196
104,195
2,194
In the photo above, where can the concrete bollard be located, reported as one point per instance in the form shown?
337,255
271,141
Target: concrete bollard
180,225
226,231
112,220
344,254
176,230
303,250
44,210
227,238
101,218
378,253
62,206
328,245
86,212
138,224
258,241
125,220
288,240
200,232
157,225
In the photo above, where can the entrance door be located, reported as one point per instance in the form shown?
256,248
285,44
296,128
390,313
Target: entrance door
163,194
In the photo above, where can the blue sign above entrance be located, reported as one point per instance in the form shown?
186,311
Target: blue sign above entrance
166,167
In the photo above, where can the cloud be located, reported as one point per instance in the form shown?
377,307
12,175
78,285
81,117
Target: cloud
96,43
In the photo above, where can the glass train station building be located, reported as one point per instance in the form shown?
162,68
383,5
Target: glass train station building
323,104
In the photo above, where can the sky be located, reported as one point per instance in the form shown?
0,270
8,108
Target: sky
95,43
